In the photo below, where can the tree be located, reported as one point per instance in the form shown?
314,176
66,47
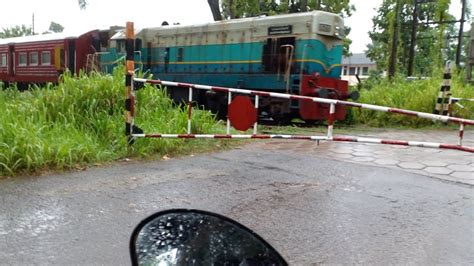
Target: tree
215,9
82,3
430,43
55,27
16,31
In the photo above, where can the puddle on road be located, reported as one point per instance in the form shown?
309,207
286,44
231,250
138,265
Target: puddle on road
34,223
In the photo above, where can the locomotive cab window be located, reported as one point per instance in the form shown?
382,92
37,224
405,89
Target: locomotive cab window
46,58
34,58
3,60
22,59
121,46
276,53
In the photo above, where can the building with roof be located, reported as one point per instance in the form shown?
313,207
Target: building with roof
356,65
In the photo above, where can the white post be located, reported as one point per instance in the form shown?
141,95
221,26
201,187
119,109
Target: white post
332,111
461,133
229,100
256,122
190,109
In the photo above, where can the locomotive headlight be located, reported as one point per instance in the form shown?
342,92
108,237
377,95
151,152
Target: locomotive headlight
324,28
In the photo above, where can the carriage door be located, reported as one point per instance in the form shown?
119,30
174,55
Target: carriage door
71,60
11,60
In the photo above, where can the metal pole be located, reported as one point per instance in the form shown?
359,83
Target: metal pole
256,123
129,78
461,134
229,100
332,111
190,108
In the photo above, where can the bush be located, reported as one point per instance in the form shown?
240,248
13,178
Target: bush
80,121
416,95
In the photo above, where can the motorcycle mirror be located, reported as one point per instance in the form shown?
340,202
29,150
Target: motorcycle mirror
195,237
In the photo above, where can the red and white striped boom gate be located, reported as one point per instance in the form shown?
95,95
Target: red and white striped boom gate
134,132
328,137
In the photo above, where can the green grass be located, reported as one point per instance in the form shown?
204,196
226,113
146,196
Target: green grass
81,122
419,95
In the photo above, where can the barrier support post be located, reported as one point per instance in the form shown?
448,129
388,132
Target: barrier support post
129,78
256,123
332,113
229,101
442,102
190,109
461,133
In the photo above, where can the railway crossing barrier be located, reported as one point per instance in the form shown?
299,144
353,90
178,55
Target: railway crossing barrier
242,113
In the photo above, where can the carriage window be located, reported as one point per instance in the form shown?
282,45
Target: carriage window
34,58
3,60
46,58
22,59
180,56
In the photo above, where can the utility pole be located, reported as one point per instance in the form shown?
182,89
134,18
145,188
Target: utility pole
411,57
33,25
461,29
394,51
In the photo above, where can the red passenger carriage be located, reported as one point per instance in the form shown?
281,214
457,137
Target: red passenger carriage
42,58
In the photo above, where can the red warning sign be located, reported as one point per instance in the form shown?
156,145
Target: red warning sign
242,113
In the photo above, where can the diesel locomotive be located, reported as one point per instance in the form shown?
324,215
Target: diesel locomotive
297,53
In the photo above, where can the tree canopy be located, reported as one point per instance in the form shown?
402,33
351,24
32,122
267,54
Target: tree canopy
16,31
428,30
228,9
54,27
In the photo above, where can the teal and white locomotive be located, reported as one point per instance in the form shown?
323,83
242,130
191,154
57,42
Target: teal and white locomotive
294,53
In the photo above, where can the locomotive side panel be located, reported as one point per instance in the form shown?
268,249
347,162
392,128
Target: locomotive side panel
236,47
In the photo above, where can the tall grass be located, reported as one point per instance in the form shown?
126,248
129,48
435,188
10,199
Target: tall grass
80,121
418,95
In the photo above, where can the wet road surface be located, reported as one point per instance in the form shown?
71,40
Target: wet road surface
310,208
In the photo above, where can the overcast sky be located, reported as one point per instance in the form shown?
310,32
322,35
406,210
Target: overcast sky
104,13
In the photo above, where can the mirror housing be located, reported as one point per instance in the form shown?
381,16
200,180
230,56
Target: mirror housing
188,237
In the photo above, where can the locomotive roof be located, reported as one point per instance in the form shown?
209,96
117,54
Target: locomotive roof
121,34
41,38
242,23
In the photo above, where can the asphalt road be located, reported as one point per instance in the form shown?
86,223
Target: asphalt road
311,209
